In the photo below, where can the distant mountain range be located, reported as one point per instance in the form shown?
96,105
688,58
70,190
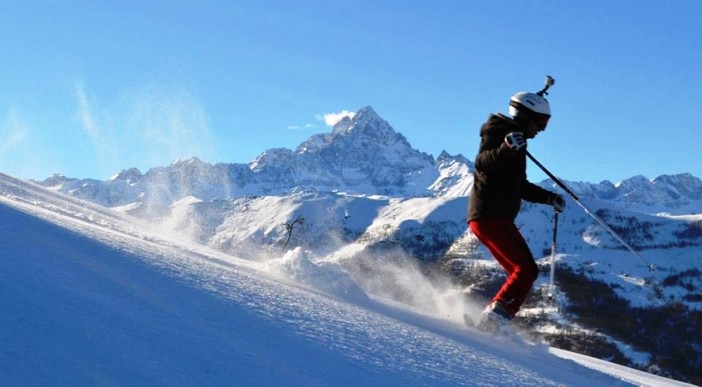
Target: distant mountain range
362,155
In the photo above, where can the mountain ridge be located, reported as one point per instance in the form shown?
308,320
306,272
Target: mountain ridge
361,155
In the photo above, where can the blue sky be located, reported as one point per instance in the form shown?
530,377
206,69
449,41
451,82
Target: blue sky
90,88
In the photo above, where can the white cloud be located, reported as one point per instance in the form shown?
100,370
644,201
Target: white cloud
332,119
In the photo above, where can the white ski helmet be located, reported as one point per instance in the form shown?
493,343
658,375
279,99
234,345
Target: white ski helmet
532,102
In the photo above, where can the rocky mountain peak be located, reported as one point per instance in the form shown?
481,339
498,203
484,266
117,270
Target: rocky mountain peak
683,184
361,136
56,180
366,123
129,175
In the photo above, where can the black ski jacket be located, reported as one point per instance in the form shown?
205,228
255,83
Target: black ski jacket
500,181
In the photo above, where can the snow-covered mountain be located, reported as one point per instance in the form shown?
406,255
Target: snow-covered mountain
90,296
674,194
362,155
362,192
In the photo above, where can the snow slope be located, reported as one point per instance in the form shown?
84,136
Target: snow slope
90,297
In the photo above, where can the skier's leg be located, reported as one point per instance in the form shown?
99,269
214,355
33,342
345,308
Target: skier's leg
510,249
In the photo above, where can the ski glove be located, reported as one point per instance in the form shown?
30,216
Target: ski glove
515,141
557,202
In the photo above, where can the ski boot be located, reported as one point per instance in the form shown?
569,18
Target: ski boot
495,319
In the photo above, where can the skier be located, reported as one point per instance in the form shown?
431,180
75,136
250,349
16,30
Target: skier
500,183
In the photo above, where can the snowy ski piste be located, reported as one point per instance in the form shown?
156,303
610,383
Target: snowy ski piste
89,296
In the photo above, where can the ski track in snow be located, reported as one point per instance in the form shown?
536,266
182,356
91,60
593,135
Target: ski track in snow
362,342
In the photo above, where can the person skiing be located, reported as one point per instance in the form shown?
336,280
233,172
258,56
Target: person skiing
500,184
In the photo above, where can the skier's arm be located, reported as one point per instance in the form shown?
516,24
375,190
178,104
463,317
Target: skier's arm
492,153
535,194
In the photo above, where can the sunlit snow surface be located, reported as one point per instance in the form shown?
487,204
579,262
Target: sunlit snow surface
89,297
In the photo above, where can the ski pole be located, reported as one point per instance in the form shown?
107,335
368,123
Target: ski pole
553,255
590,213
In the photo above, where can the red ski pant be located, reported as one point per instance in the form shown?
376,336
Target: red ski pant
509,248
